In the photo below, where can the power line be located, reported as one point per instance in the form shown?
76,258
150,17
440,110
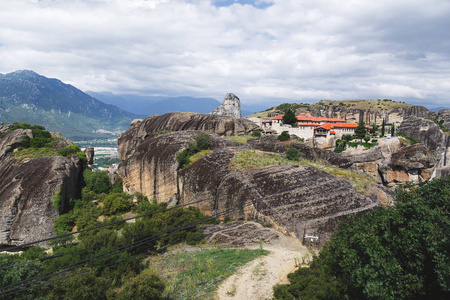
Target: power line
30,281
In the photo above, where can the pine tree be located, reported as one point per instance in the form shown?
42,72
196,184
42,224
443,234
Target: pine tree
383,127
360,131
290,118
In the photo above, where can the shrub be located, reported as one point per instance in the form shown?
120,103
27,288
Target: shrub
97,181
347,137
143,286
116,203
338,149
293,154
256,133
69,150
203,141
64,223
284,136
57,201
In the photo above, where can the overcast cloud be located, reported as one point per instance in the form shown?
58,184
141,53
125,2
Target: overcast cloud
263,51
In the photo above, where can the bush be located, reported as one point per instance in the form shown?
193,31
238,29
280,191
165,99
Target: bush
64,223
339,149
284,136
143,286
69,150
203,141
293,154
97,181
256,133
116,203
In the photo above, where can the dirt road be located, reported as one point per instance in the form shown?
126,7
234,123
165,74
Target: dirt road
255,280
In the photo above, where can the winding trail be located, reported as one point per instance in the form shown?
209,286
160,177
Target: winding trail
255,280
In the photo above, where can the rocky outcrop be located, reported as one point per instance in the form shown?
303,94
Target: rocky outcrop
428,133
444,117
26,191
177,121
370,116
151,167
393,163
89,151
14,140
271,144
231,107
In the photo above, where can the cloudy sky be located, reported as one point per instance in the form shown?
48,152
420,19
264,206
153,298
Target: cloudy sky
264,51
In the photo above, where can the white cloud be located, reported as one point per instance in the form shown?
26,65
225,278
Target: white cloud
291,50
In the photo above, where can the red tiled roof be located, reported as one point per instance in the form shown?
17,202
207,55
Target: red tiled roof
324,126
280,117
332,132
318,119
346,125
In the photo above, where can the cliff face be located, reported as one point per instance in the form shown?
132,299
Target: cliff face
370,116
26,190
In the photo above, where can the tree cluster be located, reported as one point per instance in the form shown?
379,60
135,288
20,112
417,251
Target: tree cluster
400,252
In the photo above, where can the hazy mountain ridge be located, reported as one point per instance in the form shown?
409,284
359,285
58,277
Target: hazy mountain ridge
149,105
26,96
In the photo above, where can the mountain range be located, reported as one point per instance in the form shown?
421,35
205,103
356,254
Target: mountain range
149,105
26,96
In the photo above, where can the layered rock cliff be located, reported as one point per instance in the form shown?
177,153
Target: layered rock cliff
26,190
288,196
371,115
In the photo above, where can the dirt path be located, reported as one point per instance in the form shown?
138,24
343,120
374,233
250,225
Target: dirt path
255,280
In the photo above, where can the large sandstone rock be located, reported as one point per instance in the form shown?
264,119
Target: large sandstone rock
27,188
287,196
231,107
178,121
151,167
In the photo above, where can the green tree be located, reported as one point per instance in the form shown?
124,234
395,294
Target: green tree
360,131
256,133
293,154
203,141
383,127
393,129
290,118
97,181
284,136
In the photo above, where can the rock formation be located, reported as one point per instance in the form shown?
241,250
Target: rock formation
177,121
428,133
89,151
444,117
26,190
393,163
370,116
231,107
287,196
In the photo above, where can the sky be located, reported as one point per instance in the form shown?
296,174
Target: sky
264,51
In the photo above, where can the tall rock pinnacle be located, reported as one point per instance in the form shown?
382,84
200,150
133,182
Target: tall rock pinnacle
231,107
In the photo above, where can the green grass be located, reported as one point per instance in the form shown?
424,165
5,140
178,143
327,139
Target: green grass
199,155
241,138
254,159
197,274
30,153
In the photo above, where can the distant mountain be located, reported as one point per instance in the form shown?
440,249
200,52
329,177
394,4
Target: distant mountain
149,105
26,96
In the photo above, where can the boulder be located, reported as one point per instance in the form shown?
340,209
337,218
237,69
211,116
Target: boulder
231,107
444,117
